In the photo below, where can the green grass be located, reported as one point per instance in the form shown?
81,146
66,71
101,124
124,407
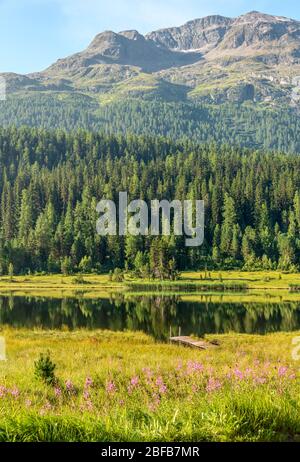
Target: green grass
192,286
225,280
245,390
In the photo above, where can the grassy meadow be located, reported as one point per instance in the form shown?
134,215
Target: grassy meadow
221,281
125,387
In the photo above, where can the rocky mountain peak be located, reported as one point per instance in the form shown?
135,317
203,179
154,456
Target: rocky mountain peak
198,34
132,35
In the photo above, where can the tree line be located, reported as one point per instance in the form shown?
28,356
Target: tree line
245,125
51,182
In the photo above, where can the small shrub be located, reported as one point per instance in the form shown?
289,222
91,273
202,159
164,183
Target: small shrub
79,280
118,275
85,265
44,369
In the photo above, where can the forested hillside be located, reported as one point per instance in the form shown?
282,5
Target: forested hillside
243,125
51,182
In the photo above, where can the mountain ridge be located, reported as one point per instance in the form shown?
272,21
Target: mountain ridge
251,59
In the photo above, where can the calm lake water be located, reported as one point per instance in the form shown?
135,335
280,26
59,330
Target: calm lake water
152,314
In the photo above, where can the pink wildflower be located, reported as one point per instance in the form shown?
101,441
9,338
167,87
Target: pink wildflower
147,371
88,382
69,386
111,387
282,371
57,391
163,389
134,381
159,381
238,374
194,367
213,385
15,392
86,394
89,405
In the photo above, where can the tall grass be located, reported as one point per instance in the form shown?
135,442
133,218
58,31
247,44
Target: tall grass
126,387
183,286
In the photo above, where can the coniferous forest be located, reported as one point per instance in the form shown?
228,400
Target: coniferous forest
246,125
51,182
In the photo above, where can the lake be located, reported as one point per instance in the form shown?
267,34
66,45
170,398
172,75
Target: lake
154,314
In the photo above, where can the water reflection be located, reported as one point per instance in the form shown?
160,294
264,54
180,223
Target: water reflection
153,314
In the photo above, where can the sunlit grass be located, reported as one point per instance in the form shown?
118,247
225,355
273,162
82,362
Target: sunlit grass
203,281
140,390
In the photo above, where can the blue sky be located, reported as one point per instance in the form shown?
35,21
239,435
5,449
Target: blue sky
34,33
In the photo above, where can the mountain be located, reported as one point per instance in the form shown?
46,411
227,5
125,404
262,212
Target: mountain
128,48
253,59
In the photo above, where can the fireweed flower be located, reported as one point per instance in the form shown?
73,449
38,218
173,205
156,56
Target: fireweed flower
147,371
57,392
155,403
15,392
69,386
238,374
134,381
194,367
86,394
213,385
163,389
159,381
111,387
89,405
282,371
88,382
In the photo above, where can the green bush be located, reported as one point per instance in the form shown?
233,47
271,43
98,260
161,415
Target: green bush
118,275
44,369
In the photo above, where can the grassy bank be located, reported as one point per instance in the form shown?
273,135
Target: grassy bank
188,282
125,387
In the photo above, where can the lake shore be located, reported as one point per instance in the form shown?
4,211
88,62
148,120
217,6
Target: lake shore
221,281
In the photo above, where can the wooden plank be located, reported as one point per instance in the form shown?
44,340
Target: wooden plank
189,341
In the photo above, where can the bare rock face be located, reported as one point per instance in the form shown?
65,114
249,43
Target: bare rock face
259,31
251,34
205,33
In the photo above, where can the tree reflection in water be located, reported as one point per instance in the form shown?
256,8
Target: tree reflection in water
152,314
